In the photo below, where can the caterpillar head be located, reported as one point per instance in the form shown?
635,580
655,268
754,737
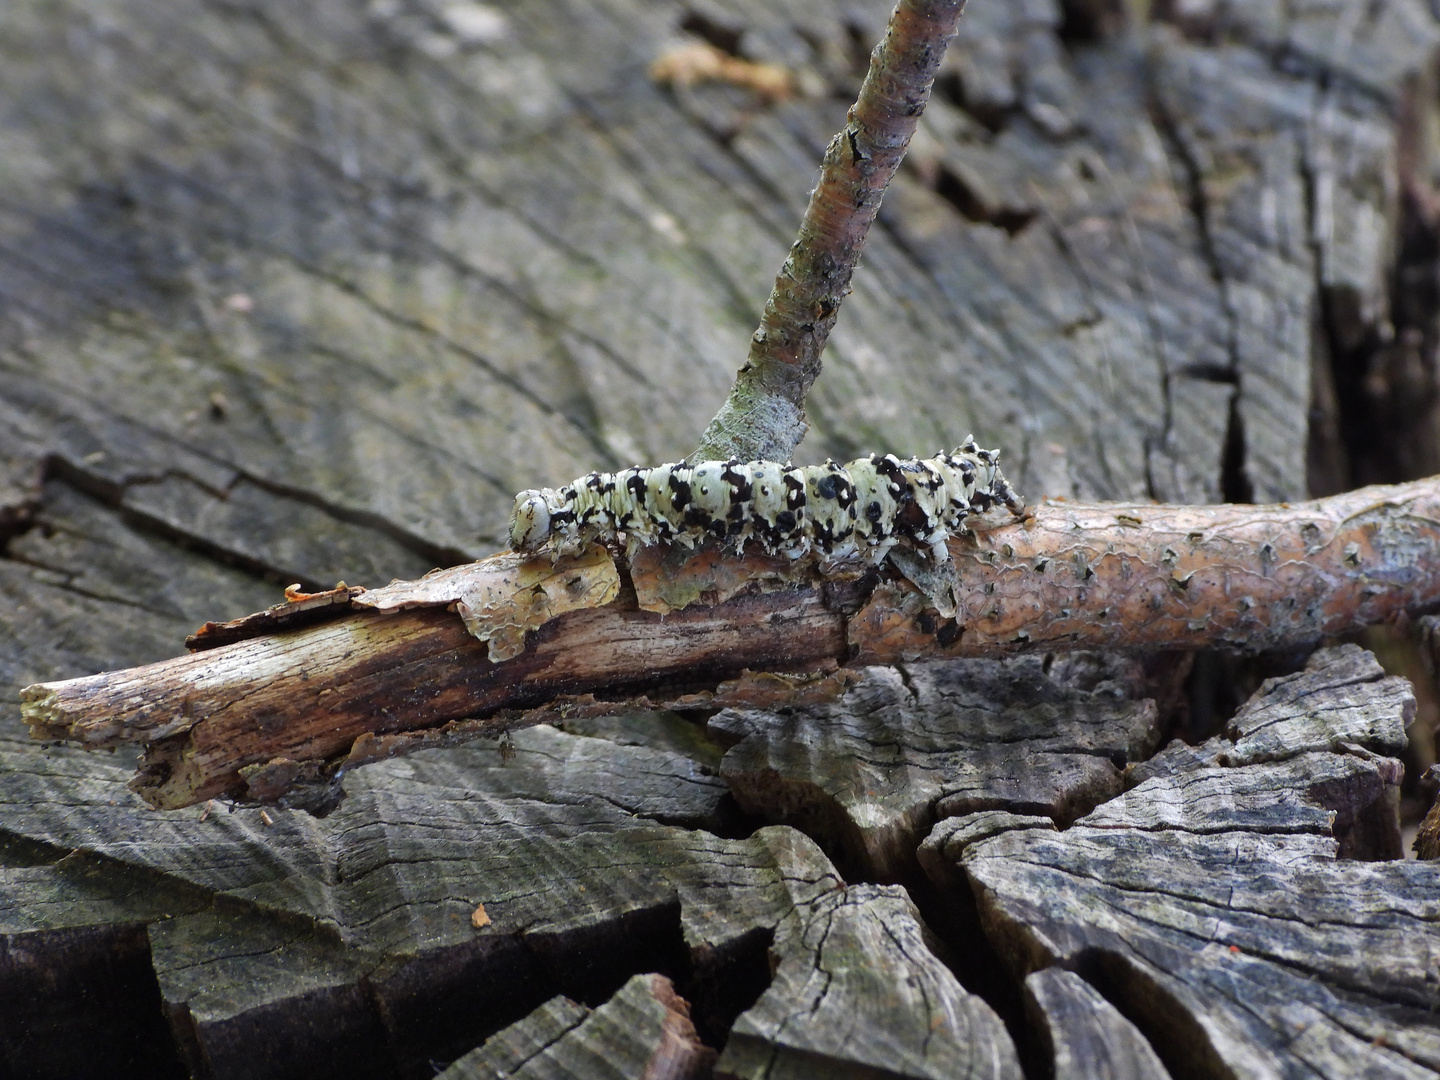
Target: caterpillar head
530,523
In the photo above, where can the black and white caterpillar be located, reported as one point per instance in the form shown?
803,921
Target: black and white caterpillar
861,509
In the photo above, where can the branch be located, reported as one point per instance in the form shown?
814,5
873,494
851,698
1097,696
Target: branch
395,670
764,416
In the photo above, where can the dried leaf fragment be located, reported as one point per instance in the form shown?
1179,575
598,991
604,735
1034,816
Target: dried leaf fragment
699,62
295,594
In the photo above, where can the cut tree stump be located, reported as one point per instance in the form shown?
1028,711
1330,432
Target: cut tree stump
355,947
1242,902
301,293
869,775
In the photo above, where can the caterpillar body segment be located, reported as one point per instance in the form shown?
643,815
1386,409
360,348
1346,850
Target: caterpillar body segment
861,509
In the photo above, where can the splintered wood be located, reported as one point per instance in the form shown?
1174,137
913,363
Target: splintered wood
395,669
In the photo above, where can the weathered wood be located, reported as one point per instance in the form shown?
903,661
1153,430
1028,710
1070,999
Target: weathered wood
1074,576
869,775
511,1050
418,670
644,1030
533,349
877,1002
351,947
1225,919
308,291
83,592
1084,1036
75,974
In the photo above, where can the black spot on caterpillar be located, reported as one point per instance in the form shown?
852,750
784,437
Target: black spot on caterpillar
861,509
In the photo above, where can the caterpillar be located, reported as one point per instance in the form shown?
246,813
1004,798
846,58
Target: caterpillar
861,509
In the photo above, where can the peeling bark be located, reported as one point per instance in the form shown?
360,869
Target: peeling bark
252,718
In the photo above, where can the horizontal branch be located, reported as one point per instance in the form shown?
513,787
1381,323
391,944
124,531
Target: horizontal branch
507,642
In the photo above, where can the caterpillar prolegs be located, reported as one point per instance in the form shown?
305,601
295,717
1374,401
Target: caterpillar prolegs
861,509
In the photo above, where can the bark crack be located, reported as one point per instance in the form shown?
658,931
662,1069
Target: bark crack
1186,168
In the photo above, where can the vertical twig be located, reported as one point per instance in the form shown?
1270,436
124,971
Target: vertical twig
764,416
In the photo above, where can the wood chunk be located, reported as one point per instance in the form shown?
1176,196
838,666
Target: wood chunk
241,982
1332,730
643,1030
509,1051
1324,794
77,991
858,993
329,948
1342,696
1085,1036
543,763
1214,905
69,801
250,997
423,993
1229,947
905,746
939,853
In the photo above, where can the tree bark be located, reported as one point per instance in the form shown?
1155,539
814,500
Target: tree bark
252,718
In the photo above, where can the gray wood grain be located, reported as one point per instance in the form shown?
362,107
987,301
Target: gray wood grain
858,992
346,946
643,1031
509,1051
1224,920
85,591
1086,1037
1341,703
348,943
330,323
76,982
306,292
907,746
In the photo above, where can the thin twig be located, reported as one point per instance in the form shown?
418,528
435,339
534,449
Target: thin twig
764,416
